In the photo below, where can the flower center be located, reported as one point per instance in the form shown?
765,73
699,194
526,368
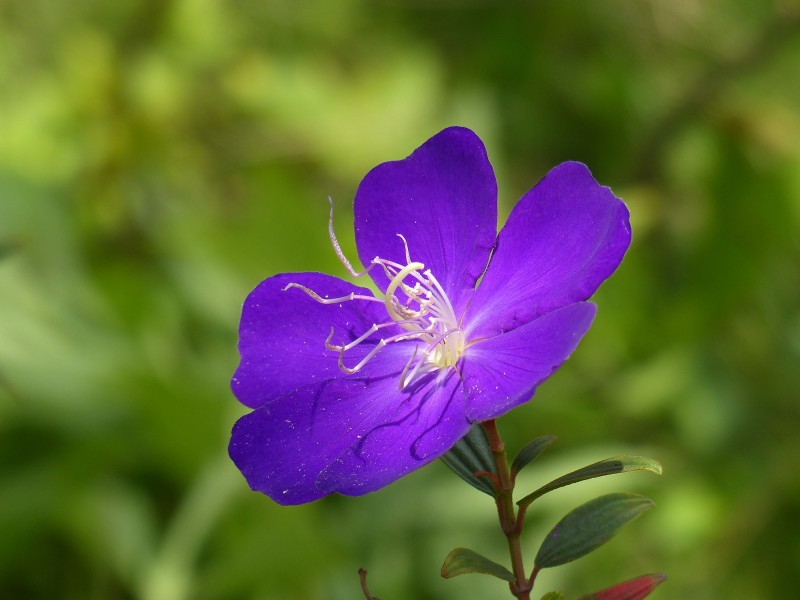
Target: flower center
415,302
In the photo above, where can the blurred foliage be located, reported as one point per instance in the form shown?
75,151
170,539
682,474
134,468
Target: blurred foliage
160,157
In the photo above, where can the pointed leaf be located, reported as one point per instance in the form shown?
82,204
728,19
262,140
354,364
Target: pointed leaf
529,453
589,526
464,560
609,466
633,589
553,596
470,455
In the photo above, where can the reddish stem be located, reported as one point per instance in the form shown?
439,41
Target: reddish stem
509,522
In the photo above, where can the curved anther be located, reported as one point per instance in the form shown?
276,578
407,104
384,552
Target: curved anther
405,245
394,284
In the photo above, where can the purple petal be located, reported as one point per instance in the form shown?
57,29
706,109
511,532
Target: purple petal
443,200
282,335
418,429
562,240
503,371
283,447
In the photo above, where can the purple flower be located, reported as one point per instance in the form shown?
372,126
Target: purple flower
350,390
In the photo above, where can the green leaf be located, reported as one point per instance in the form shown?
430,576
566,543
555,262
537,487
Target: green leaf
464,560
532,450
633,589
588,527
553,596
609,466
470,455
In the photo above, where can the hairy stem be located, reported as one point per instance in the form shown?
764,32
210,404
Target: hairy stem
509,523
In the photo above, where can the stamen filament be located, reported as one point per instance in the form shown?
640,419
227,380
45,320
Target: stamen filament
442,295
364,360
403,381
338,249
375,327
321,300
423,365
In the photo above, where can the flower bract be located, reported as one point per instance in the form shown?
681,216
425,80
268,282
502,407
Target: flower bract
351,389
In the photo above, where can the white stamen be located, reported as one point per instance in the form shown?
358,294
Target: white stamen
338,249
389,299
321,300
363,362
419,369
405,244
425,314
403,380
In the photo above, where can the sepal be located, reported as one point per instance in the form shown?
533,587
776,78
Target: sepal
471,455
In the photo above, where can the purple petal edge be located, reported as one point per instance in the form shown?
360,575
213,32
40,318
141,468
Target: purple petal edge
350,436
282,335
443,200
565,237
504,371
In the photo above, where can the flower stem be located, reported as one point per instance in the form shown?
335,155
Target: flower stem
509,523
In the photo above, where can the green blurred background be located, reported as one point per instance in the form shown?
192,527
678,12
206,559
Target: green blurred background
158,158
